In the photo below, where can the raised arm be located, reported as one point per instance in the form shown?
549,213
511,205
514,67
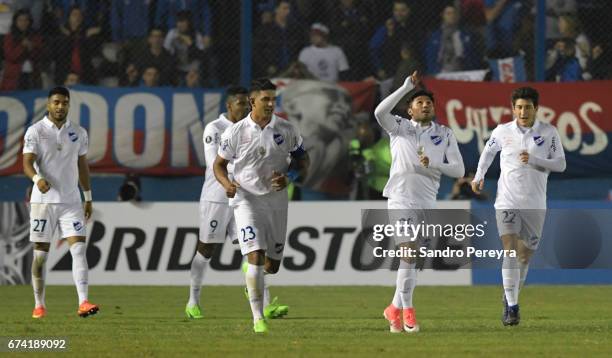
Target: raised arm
383,110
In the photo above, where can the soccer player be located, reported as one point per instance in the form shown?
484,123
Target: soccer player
54,158
530,150
267,152
418,149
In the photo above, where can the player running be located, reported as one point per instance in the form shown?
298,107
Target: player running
260,147
530,150
55,159
418,149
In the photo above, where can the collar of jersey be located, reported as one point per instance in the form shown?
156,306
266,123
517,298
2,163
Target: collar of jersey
416,124
224,117
50,124
534,127
252,123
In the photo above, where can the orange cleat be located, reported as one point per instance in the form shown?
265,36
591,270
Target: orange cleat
392,314
39,312
410,322
87,309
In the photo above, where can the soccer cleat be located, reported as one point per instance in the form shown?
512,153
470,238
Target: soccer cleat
260,326
275,310
87,309
393,315
39,312
410,322
514,317
194,312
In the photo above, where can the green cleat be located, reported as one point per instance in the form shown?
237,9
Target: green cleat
194,312
275,310
260,326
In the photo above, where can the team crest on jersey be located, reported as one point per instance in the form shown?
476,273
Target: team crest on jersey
538,140
278,139
436,139
77,225
73,136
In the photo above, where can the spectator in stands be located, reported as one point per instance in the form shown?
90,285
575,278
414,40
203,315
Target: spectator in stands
297,70
72,79
167,16
150,77
92,10
191,79
186,44
22,50
503,20
566,67
130,76
326,62
277,44
75,48
450,48
151,54
600,64
385,45
569,27
554,10
129,20
349,26
406,67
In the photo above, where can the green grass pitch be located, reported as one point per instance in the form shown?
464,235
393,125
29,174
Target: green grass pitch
322,321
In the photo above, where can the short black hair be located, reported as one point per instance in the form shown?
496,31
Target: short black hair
525,93
419,92
262,84
235,90
183,15
59,90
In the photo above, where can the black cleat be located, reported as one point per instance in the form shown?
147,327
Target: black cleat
514,317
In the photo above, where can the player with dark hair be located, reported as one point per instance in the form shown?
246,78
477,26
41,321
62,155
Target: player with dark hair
419,147
530,150
261,147
55,159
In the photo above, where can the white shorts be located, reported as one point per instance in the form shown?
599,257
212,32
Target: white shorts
527,223
216,222
45,219
405,213
261,229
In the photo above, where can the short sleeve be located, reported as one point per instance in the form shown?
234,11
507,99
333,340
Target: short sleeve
227,149
84,147
30,142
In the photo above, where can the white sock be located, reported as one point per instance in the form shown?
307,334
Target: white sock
255,287
406,282
266,293
80,269
39,260
511,274
397,297
524,267
198,265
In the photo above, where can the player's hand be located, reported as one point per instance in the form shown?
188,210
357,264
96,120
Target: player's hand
231,189
414,78
424,161
524,157
43,185
279,181
88,207
477,186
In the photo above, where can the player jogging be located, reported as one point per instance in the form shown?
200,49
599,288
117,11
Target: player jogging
530,150
260,147
54,158
418,149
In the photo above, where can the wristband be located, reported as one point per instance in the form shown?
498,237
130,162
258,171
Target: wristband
36,178
87,195
293,175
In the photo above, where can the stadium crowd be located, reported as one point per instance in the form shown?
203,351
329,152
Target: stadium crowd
193,43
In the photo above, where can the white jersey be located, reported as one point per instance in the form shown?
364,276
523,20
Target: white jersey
410,182
522,186
212,190
325,63
257,153
57,154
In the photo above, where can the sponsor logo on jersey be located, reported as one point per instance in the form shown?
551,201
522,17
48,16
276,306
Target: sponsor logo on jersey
538,140
278,139
436,139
